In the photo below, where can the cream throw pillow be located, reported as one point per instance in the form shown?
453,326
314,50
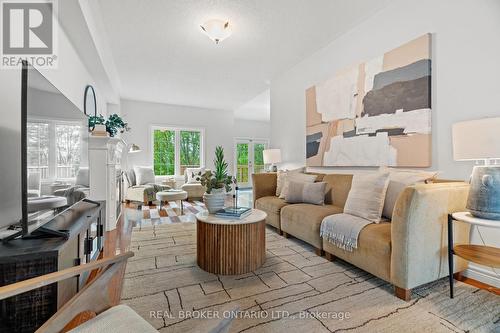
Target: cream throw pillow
313,193
144,175
296,177
398,181
367,195
281,176
189,179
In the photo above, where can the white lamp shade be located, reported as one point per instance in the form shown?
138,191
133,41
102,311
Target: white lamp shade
476,139
272,156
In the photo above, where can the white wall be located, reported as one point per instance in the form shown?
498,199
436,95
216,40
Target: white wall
252,129
218,126
465,65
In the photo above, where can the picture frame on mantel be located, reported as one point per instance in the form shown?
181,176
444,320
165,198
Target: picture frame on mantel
375,113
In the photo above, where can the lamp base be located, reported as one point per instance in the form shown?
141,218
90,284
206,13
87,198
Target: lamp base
484,195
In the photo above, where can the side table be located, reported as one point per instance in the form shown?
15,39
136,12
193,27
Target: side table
479,254
229,246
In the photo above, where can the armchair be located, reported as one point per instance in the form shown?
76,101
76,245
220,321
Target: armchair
193,188
145,193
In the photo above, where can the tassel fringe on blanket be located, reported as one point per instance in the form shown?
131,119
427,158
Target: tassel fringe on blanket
342,230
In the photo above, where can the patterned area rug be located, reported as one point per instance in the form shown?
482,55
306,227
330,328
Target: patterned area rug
295,291
171,213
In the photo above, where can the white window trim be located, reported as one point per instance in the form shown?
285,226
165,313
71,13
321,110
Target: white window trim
52,144
177,130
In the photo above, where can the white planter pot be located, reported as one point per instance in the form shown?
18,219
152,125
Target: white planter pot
215,200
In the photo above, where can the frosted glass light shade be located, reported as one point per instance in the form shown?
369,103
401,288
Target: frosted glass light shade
476,139
216,30
272,156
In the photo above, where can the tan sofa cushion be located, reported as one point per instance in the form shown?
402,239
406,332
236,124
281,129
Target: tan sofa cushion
338,189
272,206
304,220
373,253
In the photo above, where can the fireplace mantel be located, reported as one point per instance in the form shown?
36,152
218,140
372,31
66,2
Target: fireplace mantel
105,155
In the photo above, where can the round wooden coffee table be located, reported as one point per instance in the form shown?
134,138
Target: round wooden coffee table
231,247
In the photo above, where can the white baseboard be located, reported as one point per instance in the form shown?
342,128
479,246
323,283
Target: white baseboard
483,275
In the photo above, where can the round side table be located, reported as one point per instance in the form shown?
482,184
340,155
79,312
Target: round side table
479,254
231,247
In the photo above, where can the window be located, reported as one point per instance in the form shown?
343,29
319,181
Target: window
38,149
68,139
54,148
175,149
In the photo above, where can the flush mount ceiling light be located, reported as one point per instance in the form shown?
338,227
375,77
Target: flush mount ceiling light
216,30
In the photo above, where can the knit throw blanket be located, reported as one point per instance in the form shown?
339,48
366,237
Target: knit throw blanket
343,230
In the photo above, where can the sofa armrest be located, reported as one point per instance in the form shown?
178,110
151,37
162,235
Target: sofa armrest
264,184
419,232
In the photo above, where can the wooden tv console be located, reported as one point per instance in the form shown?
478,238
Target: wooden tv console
21,259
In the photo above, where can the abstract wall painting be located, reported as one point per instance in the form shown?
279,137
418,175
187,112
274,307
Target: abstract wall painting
377,113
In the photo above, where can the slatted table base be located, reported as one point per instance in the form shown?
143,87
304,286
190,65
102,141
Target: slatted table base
231,249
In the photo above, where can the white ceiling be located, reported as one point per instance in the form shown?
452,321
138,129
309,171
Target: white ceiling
161,55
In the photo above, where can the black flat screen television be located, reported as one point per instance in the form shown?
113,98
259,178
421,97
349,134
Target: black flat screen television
54,151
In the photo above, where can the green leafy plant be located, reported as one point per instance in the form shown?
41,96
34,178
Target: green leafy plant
96,120
114,124
218,179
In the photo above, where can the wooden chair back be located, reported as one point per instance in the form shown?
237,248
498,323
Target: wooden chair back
98,295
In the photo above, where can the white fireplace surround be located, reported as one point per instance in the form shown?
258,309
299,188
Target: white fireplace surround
105,154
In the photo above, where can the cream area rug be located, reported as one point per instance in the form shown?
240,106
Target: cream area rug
294,291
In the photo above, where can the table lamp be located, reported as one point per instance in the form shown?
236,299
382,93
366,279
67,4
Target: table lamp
272,156
479,140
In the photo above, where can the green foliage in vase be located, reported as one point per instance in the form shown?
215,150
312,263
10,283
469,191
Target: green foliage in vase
218,179
114,123
96,120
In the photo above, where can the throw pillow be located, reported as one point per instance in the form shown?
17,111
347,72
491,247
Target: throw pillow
189,175
367,195
297,177
312,193
144,175
398,181
130,176
82,177
281,177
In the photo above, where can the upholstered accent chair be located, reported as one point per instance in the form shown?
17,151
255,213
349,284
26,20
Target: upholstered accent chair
145,193
193,188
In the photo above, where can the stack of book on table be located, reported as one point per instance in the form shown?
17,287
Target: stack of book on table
234,212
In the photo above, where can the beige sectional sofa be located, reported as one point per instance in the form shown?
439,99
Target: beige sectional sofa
408,251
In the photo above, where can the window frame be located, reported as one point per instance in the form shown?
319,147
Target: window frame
177,141
52,159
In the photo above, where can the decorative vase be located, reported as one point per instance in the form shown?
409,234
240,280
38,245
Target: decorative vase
484,194
215,200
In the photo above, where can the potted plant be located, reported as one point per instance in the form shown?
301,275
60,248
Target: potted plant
216,183
113,124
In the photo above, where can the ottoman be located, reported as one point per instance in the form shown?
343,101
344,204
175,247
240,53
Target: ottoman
172,195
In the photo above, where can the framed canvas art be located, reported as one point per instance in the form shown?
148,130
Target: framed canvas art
376,113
